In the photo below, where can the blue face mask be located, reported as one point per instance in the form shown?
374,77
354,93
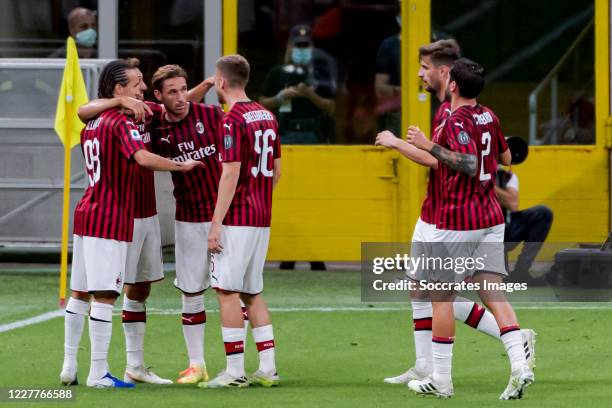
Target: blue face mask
86,38
301,56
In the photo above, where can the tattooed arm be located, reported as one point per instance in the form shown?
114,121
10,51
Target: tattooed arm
462,162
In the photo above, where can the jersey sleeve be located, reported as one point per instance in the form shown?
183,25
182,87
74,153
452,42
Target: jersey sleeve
157,110
232,137
501,140
130,139
460,136
217,125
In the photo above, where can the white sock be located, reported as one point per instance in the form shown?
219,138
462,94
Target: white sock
422,319
234,350
442,350
74,320
245,316
513,342
100,331
194,322
476,316
264,338
134,317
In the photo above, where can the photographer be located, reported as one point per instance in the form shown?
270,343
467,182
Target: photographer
530,225
301,92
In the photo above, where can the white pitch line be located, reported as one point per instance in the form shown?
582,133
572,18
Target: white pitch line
154,311
32,320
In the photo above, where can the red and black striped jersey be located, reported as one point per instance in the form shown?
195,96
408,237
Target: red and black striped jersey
106,209
470,203
250,136
194,137
429,209
144,184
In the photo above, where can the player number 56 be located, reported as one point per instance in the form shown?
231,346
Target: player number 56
264,149
91,151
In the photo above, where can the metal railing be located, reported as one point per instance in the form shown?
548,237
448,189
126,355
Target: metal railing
553,79
30,192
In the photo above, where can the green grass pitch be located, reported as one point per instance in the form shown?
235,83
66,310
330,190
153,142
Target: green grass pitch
332,357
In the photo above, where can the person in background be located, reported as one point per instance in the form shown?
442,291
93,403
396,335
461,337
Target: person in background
82,25
301,92
530,225
387,82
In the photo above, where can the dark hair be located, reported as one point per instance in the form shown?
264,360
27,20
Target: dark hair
167,72
469,77
114,73
133,62
235,70
441,52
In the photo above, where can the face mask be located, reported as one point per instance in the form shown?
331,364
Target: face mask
86,38
399,20
301,56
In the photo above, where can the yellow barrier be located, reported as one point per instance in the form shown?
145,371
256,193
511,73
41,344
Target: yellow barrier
332,198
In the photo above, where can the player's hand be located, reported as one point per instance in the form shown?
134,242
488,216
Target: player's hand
289,93
210,81
190,165
136,107
214,239
386,139
417,138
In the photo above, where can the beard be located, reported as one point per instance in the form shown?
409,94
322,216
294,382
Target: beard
433,86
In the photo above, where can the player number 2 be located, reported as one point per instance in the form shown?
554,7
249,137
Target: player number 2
91,151
486,141
264,149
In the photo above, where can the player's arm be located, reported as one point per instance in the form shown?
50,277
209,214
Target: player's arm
389,140
154,162
227,188
505,158
465,163
277,172
93,109
508,197
197,93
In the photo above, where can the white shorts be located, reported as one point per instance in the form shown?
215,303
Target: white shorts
98,264
239,268
420,246
191,252
144,256
485,247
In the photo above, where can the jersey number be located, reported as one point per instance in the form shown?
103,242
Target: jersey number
486,141
264,149
91,151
